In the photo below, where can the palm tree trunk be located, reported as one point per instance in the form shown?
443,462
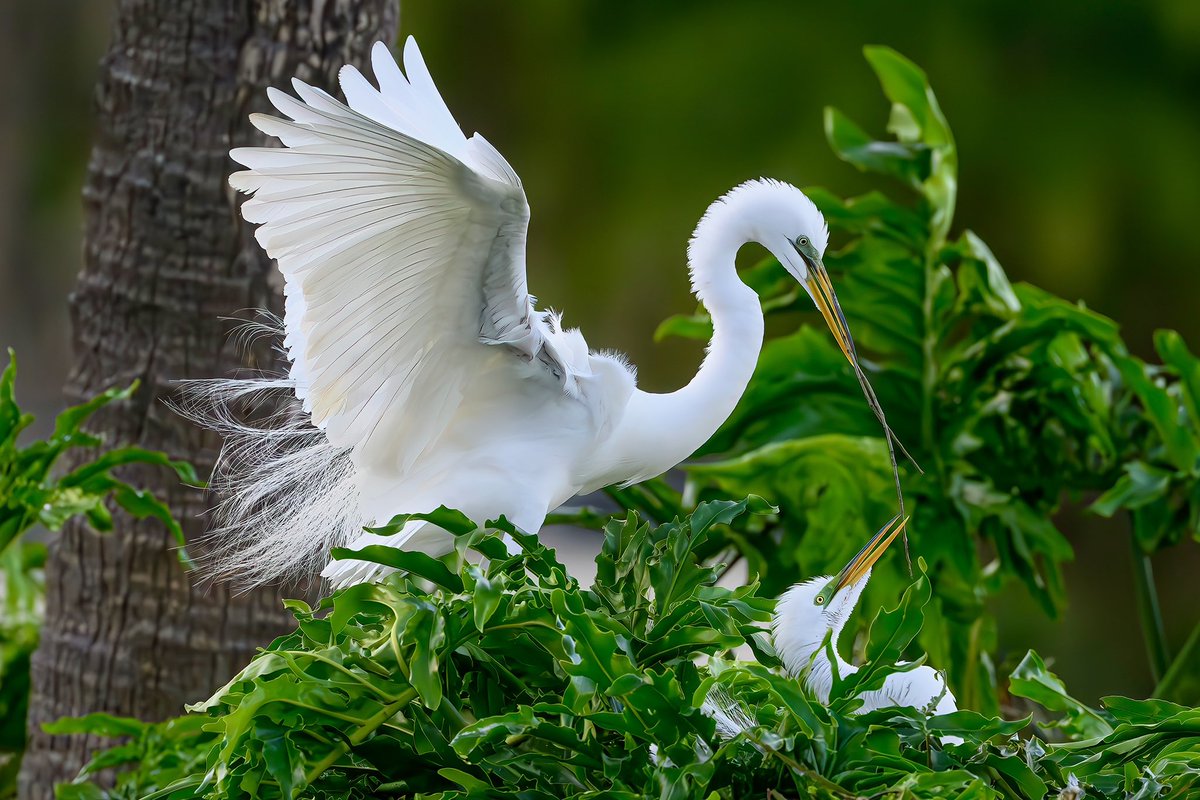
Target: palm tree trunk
166,255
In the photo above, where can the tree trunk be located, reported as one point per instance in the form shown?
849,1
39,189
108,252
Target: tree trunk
166,255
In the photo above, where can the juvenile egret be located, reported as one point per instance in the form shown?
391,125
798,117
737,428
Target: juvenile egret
809,612
426,375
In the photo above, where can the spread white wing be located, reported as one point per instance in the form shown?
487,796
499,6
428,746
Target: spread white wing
402,246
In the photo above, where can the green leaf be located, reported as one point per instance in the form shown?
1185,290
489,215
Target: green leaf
410,561
1141,484
486,593
445,518
464,779
281,756
686,326
909,163
1175,354
96,724
427,631
1033,681
906,85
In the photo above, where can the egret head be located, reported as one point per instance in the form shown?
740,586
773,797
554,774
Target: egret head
808,611
782,219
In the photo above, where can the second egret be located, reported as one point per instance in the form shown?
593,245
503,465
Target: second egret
811,612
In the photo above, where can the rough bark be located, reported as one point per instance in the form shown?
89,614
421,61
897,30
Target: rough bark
166,256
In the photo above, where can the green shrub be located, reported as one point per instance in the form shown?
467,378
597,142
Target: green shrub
457,678
32,494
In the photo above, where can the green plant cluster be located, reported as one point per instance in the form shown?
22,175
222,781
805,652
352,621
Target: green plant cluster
32,494
485,674
1009,398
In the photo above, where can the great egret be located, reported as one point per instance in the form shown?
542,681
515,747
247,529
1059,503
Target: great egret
808,620
810,612
426,374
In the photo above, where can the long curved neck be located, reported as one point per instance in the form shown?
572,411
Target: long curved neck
698,409
658,431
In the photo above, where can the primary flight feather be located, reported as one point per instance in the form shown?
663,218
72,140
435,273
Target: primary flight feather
426,375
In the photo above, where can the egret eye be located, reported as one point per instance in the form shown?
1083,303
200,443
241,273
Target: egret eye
819,600
802,241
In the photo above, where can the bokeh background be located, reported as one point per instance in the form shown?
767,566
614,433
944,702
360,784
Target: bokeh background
1078,125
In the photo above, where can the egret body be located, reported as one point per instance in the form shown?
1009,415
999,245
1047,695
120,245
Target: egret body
426,375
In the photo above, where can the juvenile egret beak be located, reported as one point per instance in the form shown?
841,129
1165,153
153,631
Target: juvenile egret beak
821,291
866,558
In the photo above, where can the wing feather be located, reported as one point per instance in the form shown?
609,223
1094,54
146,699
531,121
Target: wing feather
402,246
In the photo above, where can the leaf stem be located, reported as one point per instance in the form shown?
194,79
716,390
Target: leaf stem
1170,687
367,728
1153,631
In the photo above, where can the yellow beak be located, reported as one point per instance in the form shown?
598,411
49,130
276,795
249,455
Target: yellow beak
826,301
866,558
821,291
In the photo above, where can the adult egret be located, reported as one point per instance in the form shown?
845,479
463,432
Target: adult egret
810,612
426,375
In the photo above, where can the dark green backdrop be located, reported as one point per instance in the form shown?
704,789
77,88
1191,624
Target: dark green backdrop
1078,125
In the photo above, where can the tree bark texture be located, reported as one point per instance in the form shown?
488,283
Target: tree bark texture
167,255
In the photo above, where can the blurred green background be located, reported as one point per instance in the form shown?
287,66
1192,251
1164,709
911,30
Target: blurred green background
1078,125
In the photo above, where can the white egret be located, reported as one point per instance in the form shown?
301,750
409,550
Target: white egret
809,612
427,376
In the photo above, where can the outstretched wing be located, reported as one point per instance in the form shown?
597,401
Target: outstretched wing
402,246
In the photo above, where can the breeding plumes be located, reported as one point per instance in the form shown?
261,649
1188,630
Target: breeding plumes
425,374
812,613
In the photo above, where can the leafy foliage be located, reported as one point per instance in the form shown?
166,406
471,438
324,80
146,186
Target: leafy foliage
31,494
503,677
1011,400
153,755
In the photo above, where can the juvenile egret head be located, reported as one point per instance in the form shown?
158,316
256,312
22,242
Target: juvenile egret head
806,613
811,611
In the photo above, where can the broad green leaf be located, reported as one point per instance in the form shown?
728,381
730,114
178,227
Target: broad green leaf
909,163
1032,680
445,518
410,561
1141,484
97,724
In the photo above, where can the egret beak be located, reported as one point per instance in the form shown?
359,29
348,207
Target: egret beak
821,291
853,572
817,283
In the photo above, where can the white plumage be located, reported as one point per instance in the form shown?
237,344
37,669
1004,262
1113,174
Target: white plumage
425,373
808,620
810,612
800,628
